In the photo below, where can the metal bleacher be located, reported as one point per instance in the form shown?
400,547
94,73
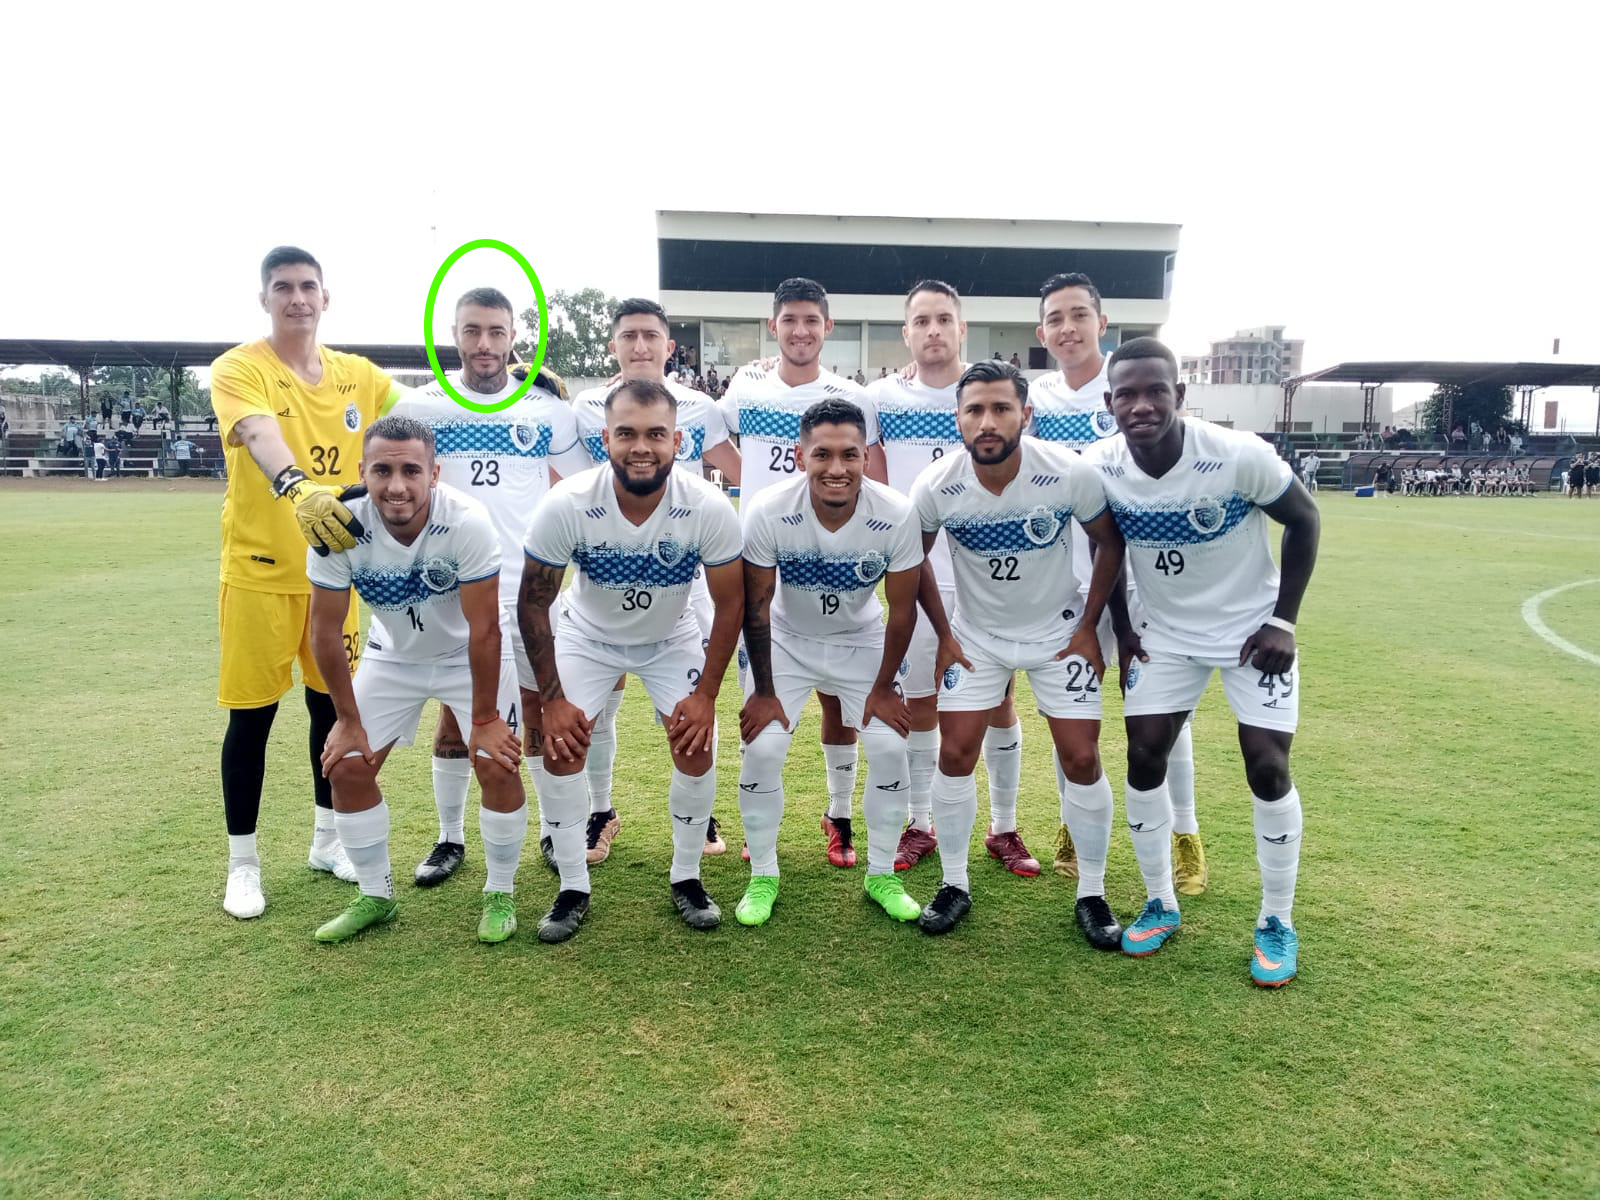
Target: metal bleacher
36,454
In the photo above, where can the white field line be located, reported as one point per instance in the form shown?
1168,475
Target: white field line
1512,533
1530,614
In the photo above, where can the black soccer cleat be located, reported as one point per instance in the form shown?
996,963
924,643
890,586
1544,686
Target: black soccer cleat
946,910
443,861
698,910
564,917
547,847
1099,924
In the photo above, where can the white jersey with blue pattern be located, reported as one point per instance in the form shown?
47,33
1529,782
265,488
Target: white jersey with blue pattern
698,419
917,425
1012,552
1073,417
1197,538
632,582
765,412
414,591
828,579
501,459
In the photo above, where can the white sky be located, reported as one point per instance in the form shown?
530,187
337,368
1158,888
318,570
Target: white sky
1386,180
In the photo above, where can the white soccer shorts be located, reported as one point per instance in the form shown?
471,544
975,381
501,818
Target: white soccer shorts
802,665
390,696
916,676
669,669
1173,683
1066,688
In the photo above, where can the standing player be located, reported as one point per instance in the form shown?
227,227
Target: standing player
505,460
1190,498
1069,409
815,549
426,565
764,409
291,414
1006,505
917,425
641,342
637,530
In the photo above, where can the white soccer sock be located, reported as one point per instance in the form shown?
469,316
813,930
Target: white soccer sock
955,811
503,835
841,762
884,801
324,835
536,773
601,763
1086,812
761,797
242,849
922,755
1150,825
365,836
689,800
452,777
1180,782
1002,758
1278,828
563,816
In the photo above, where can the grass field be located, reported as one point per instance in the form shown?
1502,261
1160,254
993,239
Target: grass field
1442,1039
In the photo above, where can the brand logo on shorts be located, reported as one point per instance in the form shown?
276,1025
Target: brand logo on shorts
1104,423
952,678
439,574
1041,526
1132,677
352,418
871,566
905,667
524,435
669,552
744,659
1207,515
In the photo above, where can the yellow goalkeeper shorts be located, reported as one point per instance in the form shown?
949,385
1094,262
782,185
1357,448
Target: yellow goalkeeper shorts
262,633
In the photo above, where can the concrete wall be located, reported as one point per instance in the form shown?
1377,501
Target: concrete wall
1258,407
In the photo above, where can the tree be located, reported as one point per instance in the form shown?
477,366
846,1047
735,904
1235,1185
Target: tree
150,386
580,328
1489,404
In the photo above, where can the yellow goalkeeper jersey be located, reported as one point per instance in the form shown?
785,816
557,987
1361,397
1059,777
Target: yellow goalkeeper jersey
262,548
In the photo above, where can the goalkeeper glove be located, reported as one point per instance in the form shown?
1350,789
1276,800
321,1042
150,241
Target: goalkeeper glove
325,522
547,379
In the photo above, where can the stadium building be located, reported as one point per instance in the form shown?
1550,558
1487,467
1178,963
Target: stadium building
718,272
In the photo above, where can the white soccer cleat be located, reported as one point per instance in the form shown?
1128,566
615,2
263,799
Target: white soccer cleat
333,860
243,898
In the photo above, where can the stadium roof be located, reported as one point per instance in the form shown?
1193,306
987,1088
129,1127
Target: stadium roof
84,355
1509,374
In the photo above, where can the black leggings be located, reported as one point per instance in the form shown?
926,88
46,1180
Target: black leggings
244,759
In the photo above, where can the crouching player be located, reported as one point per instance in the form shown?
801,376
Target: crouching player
815,549
427,564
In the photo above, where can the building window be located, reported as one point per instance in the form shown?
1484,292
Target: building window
885,348
730,343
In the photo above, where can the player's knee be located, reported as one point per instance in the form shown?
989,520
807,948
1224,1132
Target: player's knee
764,757
1081,763
1147,763
352,772
958,758
882,745
1268,775
692,765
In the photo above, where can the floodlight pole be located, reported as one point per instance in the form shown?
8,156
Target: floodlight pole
1596,390
1290,387
1527,406
1369,392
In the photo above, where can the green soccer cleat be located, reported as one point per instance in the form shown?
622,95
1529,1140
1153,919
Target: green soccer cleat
363,911
889,894
499,920
755,906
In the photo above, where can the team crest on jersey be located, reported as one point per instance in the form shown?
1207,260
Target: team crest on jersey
524,435
352,418
1105,424
905,667
871,566
952,678
1207,515
1041,526
439,574
669,552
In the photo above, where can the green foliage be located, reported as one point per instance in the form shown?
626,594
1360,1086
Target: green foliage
1488,404
150,386
580,328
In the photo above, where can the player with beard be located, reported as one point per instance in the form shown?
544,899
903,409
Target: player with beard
637,531
917,425
1006,505
506,460
1069,409
764,408
641,343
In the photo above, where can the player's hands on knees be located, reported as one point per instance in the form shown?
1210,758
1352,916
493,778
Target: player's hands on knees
344,737
1269,649
759,712
566,729
325,521
1085,644
949,653
691,726
886,704
496,742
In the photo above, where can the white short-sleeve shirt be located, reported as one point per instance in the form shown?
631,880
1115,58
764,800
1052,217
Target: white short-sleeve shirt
917,426
765,412
698,419
1069,416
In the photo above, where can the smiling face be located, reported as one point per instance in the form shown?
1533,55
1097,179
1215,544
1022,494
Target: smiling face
295,300
641,346
641,442
799,329
399,476
1070,327
934,330
991,419
483,336
1145,398
834,457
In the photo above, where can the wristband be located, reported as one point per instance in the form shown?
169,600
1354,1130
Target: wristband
1280,623
490,721
286,479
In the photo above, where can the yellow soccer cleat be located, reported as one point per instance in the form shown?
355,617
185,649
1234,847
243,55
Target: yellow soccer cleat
1066,862
1189,871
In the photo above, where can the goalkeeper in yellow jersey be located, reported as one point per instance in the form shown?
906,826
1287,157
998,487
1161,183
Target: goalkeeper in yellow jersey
291,414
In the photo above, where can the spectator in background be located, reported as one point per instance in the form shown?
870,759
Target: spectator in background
125,436
1487,441
1015,361
5,422
883,372
127,409
183,454
101,457
211,421
105,411
69,443
996,356
1458,438
114,456
1516,444
860,378
88,458
138,417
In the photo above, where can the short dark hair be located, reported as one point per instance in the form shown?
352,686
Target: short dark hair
485,297
994,370
938,286
1143,347
643,391
800,290
1068,279
832,411
286,256
639,306
398,429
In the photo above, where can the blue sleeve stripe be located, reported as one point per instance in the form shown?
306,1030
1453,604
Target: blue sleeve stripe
1082,520
481,578
1285,489
331,587
725,561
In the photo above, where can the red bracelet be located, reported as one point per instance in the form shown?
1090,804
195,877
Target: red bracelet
490,721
